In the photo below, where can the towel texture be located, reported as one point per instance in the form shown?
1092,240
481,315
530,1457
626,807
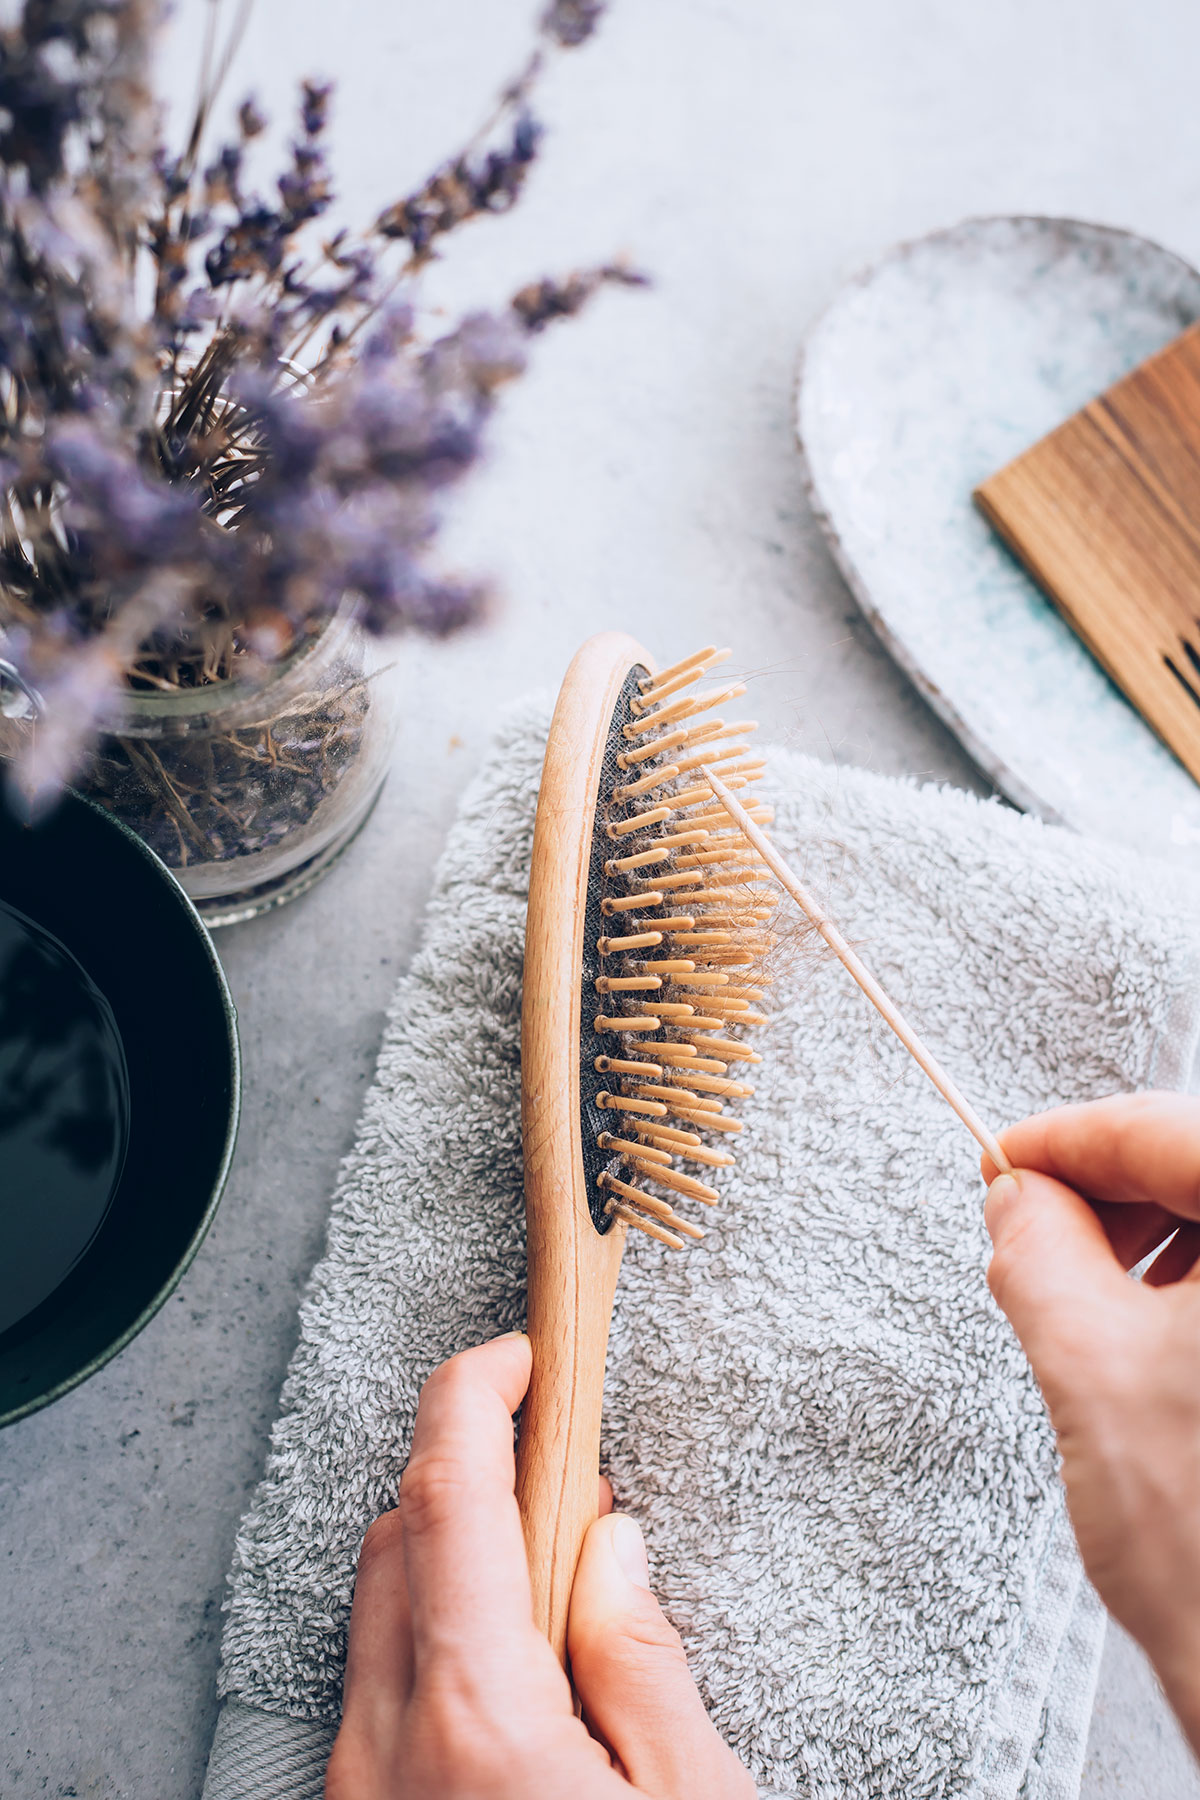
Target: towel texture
844,1471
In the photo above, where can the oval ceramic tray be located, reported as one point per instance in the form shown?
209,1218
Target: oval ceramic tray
928,372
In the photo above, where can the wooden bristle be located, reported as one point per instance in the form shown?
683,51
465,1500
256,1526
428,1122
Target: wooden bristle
628,1192
704,1084
705,859
639,859
660,687
667,1134
725,1047
715,729
686,878
615,1065
700,1153
655,779
632,1022
677,668
629,759
639,822
683,1184
633,940
678,839
621,984
677,1096
708,1120
644,1152
650,1109
631,903
625,1194
711,757
630,1216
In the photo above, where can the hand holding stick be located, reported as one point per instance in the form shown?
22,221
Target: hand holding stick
862,975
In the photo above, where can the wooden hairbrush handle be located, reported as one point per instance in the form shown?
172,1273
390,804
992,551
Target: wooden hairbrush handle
573,1267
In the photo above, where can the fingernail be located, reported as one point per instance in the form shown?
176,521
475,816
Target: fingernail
629,1547
505,1335
1003,1191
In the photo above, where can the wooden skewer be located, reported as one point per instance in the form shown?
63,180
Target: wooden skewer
878,997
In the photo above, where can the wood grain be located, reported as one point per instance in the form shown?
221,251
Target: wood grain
1105,513
572,1268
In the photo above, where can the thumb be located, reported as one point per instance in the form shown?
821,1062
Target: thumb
631,1673
1053,1272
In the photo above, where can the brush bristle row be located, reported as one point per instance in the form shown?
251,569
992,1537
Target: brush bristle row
669,1022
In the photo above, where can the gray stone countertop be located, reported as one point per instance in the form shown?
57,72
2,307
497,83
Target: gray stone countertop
750,154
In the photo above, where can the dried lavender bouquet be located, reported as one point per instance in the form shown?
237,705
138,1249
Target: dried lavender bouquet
225,436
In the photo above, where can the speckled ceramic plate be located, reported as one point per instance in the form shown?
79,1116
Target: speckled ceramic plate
928,372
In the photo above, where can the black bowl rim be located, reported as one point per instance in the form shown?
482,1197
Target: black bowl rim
158,1300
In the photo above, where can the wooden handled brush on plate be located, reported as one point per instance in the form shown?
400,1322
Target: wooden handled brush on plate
645,938
648,927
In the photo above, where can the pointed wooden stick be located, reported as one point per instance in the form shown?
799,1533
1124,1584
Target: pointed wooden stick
862,975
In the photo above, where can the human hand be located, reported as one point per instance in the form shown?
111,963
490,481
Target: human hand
452,1693
1118,1361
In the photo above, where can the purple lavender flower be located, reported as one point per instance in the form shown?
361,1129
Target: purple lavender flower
188,489
572,22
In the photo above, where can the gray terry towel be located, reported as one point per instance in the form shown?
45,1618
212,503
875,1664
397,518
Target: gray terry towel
829,1433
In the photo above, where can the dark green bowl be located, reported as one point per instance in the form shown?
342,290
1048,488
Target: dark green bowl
90,882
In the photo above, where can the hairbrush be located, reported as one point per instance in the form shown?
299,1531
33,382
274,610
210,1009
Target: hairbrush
648,927
646,933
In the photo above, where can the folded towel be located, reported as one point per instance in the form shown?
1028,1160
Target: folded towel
844,1471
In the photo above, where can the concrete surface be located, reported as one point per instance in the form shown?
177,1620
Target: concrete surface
751,153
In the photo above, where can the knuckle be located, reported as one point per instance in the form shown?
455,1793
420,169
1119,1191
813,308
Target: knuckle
430,1493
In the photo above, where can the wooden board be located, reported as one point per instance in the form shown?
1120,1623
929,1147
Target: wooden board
1105,513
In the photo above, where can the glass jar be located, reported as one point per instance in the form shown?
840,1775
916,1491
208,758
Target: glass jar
250,791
